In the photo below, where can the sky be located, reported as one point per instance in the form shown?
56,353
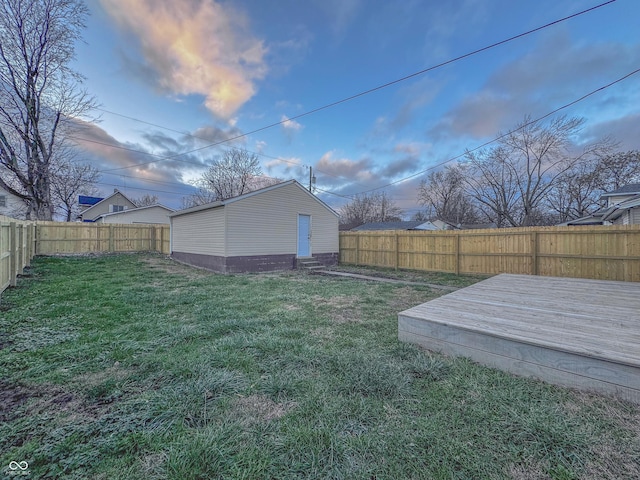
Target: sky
178,82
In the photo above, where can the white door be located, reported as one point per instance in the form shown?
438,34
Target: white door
304,235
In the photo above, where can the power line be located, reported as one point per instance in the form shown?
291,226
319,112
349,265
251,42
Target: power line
197,138
380,87
593,92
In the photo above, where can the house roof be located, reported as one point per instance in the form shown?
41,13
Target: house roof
632,188
387,226
239,198
617,210
132,210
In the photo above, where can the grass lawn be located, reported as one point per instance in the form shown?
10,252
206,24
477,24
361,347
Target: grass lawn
131,366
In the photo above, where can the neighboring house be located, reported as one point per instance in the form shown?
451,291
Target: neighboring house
150,214
432,225
94,207
264,230
12,206
622,208
372,226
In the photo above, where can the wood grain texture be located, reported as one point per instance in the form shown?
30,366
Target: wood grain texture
572,332
598,252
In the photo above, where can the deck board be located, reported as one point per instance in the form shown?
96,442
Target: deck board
573,332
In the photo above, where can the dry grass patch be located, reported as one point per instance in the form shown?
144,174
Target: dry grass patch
341,308
166,265
260,408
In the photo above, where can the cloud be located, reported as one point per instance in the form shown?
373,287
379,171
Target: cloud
290,127
558,70
195,47
341,13
289,167
350,170
623,130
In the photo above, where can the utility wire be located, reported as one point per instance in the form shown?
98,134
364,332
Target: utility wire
567,105
380,87
499,137
192,136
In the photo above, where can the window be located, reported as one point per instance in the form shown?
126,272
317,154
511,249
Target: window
117,208
3,200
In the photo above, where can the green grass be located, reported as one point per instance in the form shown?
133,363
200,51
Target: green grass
131,366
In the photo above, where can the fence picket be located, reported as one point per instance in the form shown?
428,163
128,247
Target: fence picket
598,252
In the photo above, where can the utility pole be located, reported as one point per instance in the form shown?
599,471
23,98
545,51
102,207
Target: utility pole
312,179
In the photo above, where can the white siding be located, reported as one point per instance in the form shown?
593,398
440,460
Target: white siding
144,215
618,199
635,215
199,232
267,223
12,206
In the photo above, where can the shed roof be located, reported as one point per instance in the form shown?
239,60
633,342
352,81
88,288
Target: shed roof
239,198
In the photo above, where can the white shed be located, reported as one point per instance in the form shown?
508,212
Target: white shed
264,230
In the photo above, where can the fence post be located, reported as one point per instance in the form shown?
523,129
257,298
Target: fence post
397,250
30,243
13,260
153,247
357,249
20,253
534,253
111,242
457,251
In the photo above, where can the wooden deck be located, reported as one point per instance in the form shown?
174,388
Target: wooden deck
578,333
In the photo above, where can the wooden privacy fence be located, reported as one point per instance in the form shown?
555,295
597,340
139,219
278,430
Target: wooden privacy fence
16,249
20,241
54,238
598,252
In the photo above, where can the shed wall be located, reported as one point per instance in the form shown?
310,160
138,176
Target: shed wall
267,224
200,233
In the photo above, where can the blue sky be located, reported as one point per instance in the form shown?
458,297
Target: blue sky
205,71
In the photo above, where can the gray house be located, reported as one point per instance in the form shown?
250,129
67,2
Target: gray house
93,207
12,206
622,208
264,230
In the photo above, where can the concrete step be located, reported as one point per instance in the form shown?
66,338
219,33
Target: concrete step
309,264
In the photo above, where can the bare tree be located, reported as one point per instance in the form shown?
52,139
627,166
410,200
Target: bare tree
39,94
235,173
619,169
67,182
443,193
374,207
576,193
512,181
491,184
145,200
